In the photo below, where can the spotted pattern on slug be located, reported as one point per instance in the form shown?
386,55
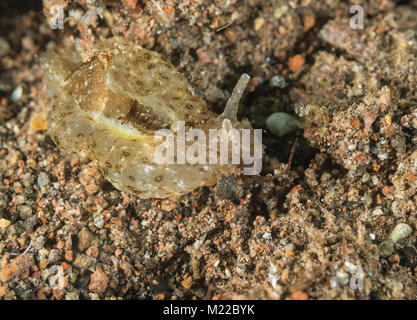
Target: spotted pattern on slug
110,108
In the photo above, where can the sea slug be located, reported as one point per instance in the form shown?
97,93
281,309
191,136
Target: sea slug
113,107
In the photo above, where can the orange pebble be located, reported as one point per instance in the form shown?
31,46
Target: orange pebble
38,121
299,295
296,62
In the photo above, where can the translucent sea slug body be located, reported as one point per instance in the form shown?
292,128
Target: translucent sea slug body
111,106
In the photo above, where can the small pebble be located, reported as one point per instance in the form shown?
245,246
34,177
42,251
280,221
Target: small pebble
280,11
72,296
4,223
299,295
309,21
4,47
258,23
43,263
377,212
227,188
281,123
25,212
231,34
187,283
98,281
277,82
38,121
401,231
39,242
386,248
27,43
99,221
16,94
83,262
28,179
84,239
53,256
296,62
43,180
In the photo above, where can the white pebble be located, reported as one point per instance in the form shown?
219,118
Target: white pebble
99,222
282,123
401,231
16,94
377,212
